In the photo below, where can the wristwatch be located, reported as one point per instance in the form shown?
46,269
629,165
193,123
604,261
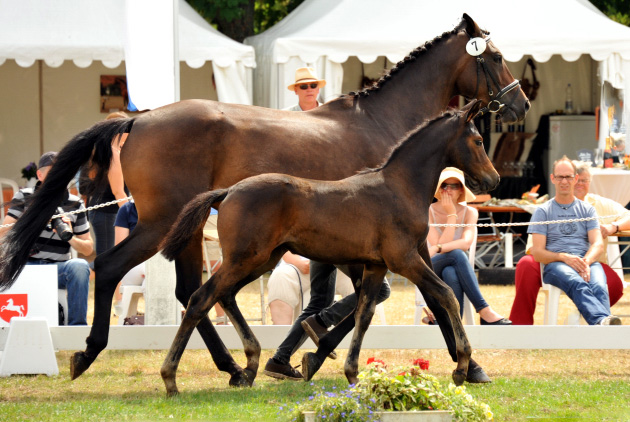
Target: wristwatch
616,224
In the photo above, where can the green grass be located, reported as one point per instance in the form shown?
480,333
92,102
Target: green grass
126,386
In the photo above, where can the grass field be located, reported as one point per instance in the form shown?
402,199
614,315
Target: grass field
529,385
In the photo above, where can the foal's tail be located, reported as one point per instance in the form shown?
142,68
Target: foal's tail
192,217
94,143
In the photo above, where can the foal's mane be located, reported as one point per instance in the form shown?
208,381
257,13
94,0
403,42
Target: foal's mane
416,53
410,137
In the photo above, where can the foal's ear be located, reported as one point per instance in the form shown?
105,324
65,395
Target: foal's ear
471,109
471,26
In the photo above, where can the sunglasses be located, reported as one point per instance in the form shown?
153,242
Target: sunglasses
313,85
451,186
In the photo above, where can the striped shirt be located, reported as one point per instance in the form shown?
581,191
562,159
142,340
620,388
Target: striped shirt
49,245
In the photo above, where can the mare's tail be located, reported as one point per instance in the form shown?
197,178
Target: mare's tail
192,217
94,143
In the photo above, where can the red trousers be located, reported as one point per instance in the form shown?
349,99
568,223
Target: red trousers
528,284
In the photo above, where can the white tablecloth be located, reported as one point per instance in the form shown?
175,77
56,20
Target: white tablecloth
611,183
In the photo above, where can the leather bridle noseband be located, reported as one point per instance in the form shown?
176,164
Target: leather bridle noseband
495,105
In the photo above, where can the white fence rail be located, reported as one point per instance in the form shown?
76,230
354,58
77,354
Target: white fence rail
377,337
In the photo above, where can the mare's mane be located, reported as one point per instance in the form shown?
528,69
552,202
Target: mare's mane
410,137
410,58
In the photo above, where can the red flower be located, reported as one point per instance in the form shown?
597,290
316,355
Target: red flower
374,360
403,373
422,363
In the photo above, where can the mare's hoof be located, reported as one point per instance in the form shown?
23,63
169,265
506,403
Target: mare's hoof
458,377
78,365
242,379
476,375
172,392
310,365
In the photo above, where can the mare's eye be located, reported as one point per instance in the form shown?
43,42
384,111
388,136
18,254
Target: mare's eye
498,58
479,142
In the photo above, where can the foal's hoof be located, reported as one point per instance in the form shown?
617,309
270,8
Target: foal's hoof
476,375
310,365
458,377
242,379
79,363
172,392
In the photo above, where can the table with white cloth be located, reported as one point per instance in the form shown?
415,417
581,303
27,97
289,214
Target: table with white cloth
611,183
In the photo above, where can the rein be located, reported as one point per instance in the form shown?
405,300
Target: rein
495,105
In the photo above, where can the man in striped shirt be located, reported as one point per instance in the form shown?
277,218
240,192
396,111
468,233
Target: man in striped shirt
50,249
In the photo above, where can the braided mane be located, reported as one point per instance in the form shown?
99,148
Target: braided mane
410,58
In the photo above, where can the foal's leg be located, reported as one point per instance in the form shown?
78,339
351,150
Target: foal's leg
418,272
188,268
110,267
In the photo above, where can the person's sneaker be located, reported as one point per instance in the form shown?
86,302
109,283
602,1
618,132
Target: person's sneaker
610,320
315,330
282,371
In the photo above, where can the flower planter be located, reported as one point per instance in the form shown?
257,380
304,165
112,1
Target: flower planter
406,416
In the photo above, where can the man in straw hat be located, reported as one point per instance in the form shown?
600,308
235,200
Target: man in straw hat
306,87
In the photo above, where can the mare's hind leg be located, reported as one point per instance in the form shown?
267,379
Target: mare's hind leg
110,267
421,274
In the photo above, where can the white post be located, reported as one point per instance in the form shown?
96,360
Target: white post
159,296
509,252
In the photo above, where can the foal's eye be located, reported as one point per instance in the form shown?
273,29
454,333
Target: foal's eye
498,58
479,142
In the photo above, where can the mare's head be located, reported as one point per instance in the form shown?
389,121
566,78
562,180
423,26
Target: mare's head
485,75
466,152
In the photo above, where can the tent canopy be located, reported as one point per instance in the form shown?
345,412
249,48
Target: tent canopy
88,30
327,32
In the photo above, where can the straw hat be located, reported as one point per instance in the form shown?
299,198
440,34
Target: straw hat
304,75
449,172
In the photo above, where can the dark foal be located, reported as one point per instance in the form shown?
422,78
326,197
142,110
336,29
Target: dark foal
176,152
377,218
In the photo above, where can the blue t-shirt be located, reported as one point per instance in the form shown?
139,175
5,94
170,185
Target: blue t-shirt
565,237
127,216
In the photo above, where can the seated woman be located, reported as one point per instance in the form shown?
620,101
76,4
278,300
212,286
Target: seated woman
447,245
289,288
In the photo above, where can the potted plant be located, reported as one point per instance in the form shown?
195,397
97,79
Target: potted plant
30,174
402,394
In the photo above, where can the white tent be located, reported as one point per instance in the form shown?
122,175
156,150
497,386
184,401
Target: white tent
341,36
56,100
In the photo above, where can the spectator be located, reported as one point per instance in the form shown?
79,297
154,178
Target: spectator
306,87
570,249
73,274
527,277
447,246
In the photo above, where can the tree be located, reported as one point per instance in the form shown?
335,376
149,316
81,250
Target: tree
617,10
239,19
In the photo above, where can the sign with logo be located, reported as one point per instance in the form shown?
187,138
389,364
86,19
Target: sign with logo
34,294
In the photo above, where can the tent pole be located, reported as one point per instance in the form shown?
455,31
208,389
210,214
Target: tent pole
41,106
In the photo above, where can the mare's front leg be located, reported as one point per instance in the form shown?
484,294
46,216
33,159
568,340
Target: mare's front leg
421,274
110,267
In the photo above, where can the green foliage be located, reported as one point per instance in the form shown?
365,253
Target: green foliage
269,12
403,389
225,10
617,10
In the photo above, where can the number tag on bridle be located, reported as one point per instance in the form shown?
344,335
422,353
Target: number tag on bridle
476,46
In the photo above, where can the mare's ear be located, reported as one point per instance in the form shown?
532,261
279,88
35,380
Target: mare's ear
471,26
472,109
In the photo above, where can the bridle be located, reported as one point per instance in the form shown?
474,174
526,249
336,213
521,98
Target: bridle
495,105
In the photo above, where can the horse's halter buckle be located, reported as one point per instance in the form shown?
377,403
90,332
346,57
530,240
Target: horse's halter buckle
495,105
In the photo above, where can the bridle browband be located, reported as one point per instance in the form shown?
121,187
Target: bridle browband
495,105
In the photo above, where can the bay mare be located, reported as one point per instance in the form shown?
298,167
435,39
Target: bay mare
178,151
378,218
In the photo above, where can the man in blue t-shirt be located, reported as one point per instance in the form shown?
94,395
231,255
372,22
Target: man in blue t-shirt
570,249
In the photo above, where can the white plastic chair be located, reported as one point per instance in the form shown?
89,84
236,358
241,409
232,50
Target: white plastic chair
129,303
552,303
469,310
14,187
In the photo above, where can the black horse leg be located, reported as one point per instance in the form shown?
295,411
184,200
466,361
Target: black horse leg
110,267
475,374
188,270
